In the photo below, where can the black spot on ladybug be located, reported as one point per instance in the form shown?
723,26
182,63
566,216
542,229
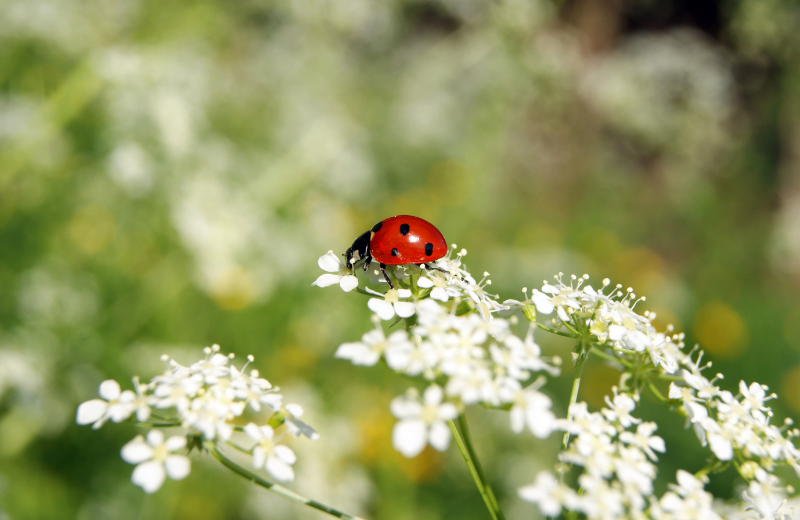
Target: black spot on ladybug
428,249
395,252
404,229
376,227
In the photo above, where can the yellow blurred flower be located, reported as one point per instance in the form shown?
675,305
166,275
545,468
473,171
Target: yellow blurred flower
720,330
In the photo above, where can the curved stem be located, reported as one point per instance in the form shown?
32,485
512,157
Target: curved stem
462,422
653,390
467,452
275,488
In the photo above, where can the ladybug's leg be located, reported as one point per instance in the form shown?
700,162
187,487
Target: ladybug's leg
434,268
383,270
367,262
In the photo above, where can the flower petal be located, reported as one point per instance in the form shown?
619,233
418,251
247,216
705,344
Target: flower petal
90,411
136,451
382,308
149,476
155,438
324,280
177,466
439,293
280,470
294,409
285,453
439,436
259,457
404,309
175,443
425,283
433,395
408,437
348,282
252,431
329,262
109,390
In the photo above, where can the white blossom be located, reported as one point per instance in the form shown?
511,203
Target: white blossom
530,408
549,494
115,405
423,422
277,459
372,346
156,460
687,499
390,305
336,271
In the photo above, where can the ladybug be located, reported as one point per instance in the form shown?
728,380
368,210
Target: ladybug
398,240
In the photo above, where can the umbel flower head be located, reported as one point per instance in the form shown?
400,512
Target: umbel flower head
206,400
454,343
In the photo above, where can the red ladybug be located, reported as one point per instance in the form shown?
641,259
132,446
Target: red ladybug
396,241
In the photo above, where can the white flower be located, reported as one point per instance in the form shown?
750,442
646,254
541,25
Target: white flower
688,499
177,387
296,427
213,367
254,390
645,440
422,423
442,289
531,408
338,273
719,438
114,405
155,460
412,359
390,305
373,344
550,495
620,409
275,458
211,413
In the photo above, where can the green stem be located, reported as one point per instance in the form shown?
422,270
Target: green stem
157,425
573,398
714,466
359,290
554,331
601,353
467,452
653,390
275,488
462,422
668,377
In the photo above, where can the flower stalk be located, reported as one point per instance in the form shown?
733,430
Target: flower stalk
465,446
275,488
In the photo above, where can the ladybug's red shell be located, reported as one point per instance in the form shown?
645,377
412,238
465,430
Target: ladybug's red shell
406,240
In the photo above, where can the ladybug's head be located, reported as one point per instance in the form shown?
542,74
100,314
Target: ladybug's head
358,251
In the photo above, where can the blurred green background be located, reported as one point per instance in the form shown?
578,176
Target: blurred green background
171,171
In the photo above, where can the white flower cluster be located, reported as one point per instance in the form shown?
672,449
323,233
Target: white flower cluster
617,453
455,344
206,399
609,319
735,427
